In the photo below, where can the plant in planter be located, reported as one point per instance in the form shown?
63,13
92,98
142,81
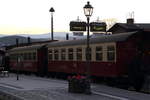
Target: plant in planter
77,84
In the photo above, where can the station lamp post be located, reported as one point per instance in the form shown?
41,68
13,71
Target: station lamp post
17,44
88,10
52,11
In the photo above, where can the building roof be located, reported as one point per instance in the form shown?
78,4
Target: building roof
98,39
134,26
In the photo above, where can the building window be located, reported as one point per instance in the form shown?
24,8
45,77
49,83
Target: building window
111,53
79,54
50,54
70,53
99,53
56,55
63,54
89,54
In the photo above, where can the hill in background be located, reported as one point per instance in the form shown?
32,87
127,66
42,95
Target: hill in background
11,39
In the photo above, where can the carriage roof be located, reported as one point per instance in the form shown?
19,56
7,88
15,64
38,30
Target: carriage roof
98,39
32,47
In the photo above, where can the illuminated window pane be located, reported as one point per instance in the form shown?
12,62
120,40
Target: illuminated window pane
56,56
50,55
99,54
70,54
110,53
63,54
88,56
79,53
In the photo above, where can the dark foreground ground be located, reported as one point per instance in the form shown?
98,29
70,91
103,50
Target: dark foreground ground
37,88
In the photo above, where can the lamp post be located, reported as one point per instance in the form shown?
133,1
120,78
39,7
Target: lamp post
17,43
52,11
88,10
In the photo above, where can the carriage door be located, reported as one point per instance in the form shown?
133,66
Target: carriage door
42,61
146,53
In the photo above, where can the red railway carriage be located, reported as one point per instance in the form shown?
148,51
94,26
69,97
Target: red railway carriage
29,59
110,54
2,60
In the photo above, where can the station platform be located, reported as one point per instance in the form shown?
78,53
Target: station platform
37,88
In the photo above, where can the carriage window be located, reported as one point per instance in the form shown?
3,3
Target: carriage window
21,55
110,53
89,54
25,56
34,55
50,54
16,57
70,54
29,56
56,56
79,53
99,54
11,56
63,54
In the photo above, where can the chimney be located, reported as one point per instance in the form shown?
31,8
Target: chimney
67,36
130,21
29,40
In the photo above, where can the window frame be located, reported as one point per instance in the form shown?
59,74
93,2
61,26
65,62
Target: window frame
110,52
79,55
99,52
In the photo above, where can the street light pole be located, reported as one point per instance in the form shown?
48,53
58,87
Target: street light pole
52,11
88,48
17,43
88,10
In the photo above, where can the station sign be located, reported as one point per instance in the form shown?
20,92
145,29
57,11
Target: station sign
97,27
77,26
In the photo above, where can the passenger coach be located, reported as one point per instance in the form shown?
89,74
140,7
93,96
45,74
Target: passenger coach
29,59
110,56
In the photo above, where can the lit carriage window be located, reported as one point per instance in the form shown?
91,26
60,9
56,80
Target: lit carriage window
29,56
110,53
12,56
89,53
25,56
34,55
99,54
15,57
56,56
50,54
21,55
79,53
70,54
63,54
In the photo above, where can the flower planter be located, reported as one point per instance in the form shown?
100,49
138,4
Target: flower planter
78,85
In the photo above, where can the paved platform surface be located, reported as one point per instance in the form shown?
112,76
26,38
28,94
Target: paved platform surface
36,88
